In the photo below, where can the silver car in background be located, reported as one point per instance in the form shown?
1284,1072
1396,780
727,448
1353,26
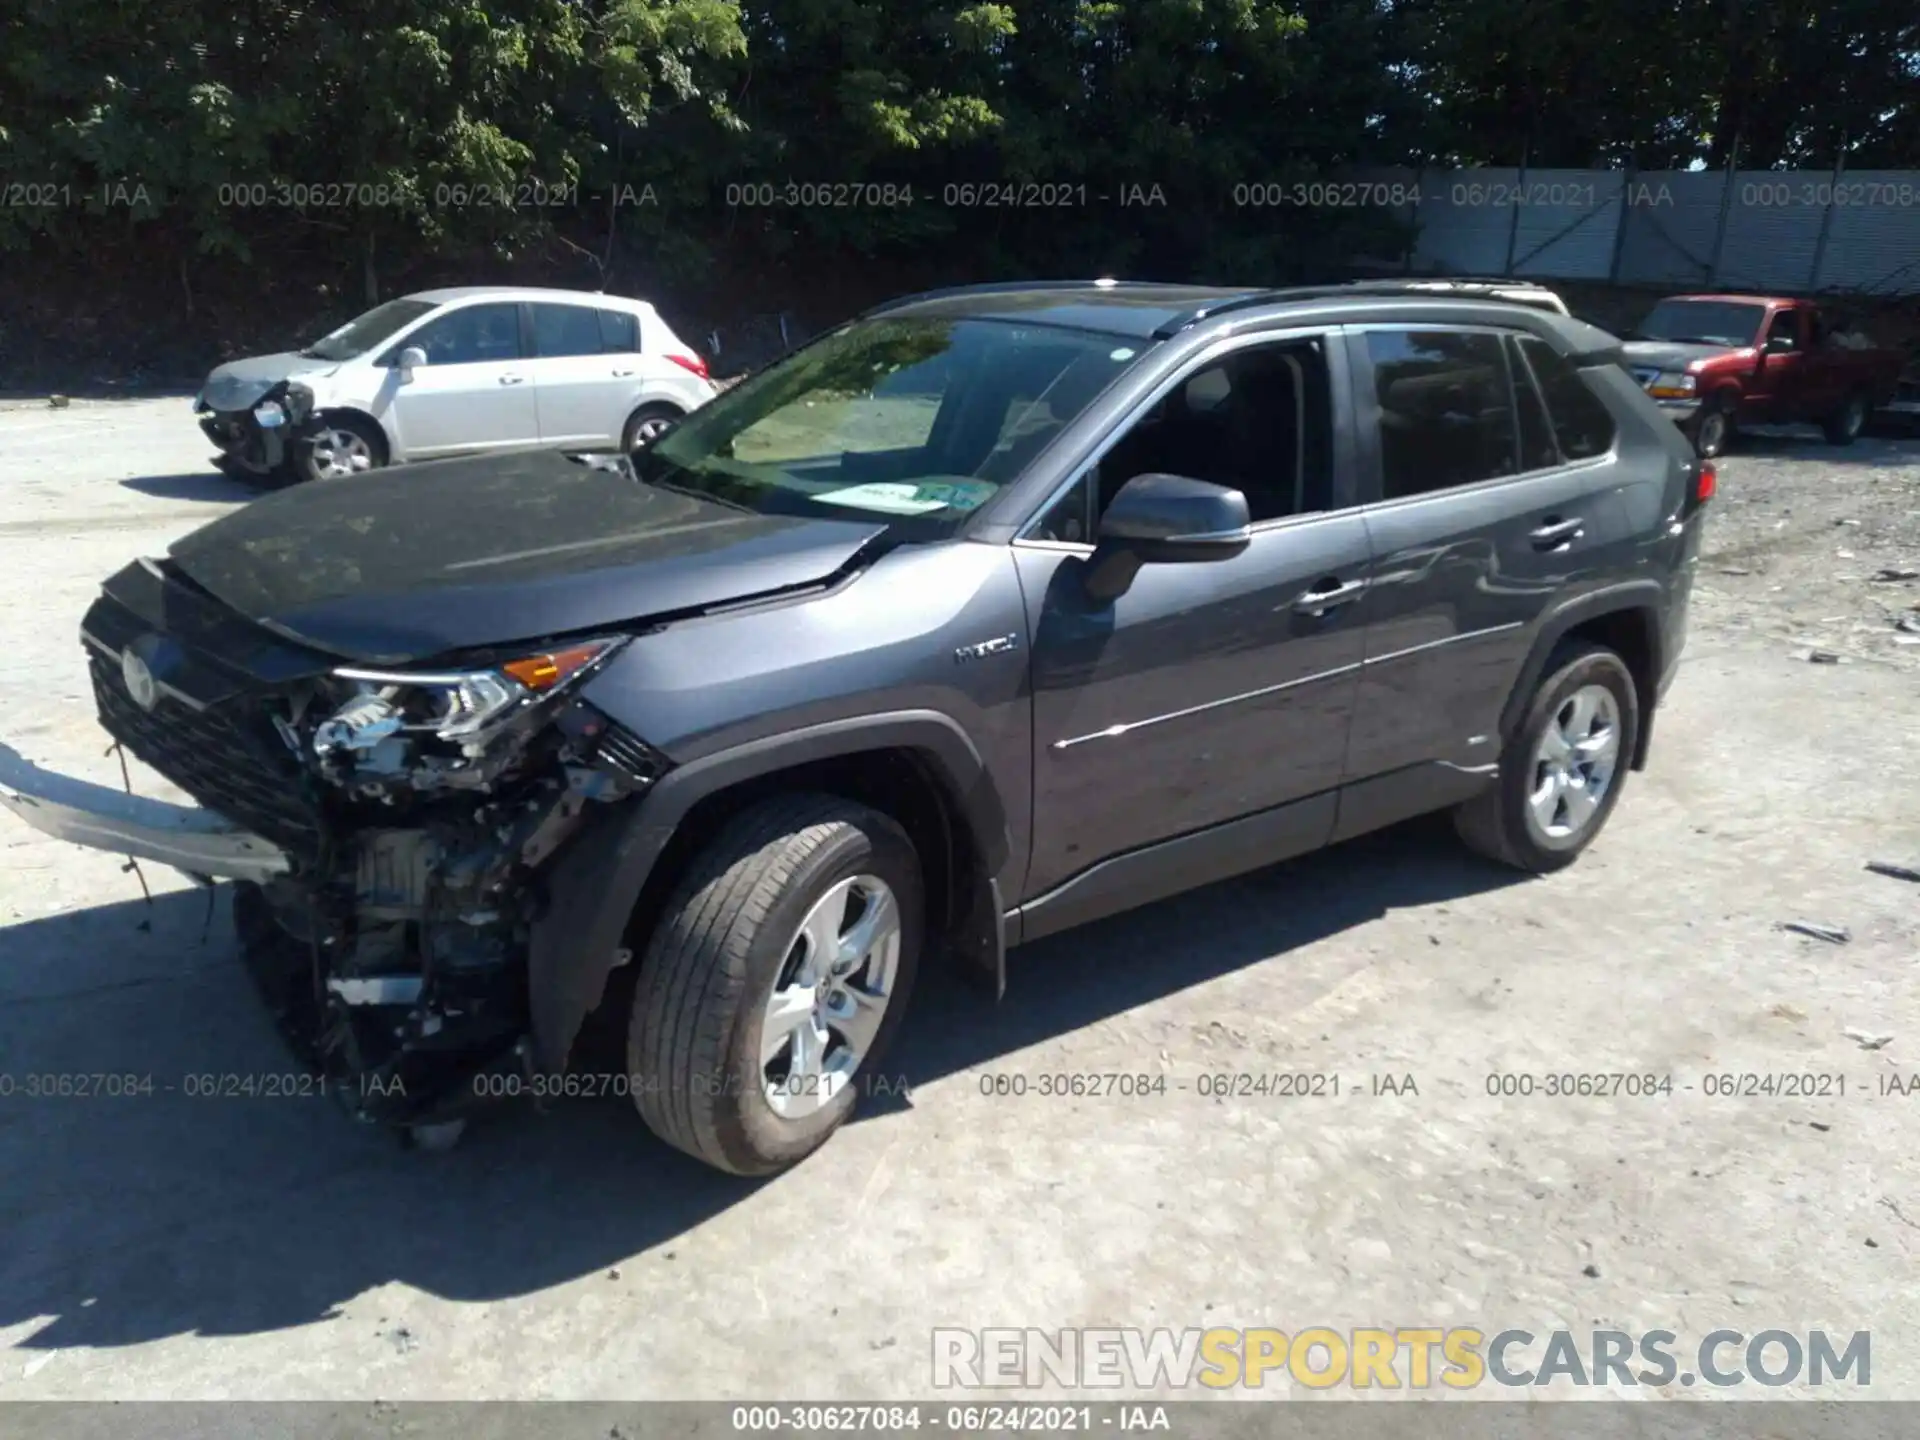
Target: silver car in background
446,372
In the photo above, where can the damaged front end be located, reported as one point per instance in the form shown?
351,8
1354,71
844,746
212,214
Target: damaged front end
389,831
396,957
256,435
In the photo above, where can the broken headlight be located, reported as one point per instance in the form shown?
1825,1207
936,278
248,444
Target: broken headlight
462,707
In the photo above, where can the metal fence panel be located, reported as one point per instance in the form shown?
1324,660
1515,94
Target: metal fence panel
1566,223
1772,233
1784,230
1873,233
1673,221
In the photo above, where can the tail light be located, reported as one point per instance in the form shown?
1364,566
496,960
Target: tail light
690,362
1701,487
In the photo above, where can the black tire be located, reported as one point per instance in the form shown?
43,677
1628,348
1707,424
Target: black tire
645,415
1711,431
1846,424
693,1041
330,432
1499,823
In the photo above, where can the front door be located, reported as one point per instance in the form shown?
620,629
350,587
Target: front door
476,390
1206,691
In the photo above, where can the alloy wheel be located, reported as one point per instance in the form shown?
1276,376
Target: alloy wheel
337,453
1574,763
1713,433
650,430
831,994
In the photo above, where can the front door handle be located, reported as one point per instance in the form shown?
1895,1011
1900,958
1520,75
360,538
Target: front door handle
1328,594
622,374
1556,533
511,379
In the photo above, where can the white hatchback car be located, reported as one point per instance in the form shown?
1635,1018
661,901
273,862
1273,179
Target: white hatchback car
448,372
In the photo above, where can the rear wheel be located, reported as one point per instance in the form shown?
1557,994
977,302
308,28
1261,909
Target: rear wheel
646,425
339,447
1845,425
1561,771
774,982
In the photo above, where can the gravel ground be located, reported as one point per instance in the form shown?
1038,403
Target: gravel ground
181,1247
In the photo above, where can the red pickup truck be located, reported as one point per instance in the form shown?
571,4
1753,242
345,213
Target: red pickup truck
1717,362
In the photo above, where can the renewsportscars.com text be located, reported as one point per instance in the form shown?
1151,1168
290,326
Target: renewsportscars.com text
1409,1357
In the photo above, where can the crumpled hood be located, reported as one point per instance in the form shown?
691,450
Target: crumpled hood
239,384
411,563
1669,355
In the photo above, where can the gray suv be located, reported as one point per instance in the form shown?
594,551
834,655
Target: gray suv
989,613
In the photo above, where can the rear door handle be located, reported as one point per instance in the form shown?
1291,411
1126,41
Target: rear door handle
622,374
1328,594
511,379
1555,533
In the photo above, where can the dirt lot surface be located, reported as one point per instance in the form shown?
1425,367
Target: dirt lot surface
179,1245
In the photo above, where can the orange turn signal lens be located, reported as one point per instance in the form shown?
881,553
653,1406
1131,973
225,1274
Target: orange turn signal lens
543,672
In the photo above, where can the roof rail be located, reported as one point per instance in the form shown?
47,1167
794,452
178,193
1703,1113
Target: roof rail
998,287
1412,288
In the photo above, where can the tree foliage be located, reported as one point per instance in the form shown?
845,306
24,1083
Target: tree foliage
224,138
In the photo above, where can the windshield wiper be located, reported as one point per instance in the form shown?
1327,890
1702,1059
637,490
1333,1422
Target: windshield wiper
312,354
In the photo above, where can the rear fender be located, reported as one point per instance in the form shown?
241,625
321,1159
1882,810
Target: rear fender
1646,599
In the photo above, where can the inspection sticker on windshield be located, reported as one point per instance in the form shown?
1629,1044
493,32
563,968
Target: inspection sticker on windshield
898,497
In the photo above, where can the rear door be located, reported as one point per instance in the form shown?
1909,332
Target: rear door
1484,508
474,393
584,393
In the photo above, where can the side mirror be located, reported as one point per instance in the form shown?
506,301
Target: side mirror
1156,519
411,359
1175,518
1779,345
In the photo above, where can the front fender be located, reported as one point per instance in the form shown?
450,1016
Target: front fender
594,885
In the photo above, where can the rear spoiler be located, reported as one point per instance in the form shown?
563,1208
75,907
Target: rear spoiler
1591,345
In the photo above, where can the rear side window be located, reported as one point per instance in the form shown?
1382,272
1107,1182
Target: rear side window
1581,422
560,330
619,332
1446,410
1538,448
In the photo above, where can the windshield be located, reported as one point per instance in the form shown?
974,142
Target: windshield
356,337
920,421
1702,322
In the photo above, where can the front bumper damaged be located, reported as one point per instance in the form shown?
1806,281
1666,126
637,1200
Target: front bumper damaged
199,842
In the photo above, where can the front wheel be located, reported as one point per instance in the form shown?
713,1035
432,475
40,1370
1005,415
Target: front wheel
1712,429
1845,425
1561,771
774,982
340,447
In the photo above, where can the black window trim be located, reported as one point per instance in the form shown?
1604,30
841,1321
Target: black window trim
1366,416
1344,451
1520,371
1540,387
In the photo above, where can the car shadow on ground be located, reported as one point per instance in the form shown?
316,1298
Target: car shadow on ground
195,1210
210,485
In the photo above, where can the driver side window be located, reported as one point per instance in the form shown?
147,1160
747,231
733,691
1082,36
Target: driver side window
1258,420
